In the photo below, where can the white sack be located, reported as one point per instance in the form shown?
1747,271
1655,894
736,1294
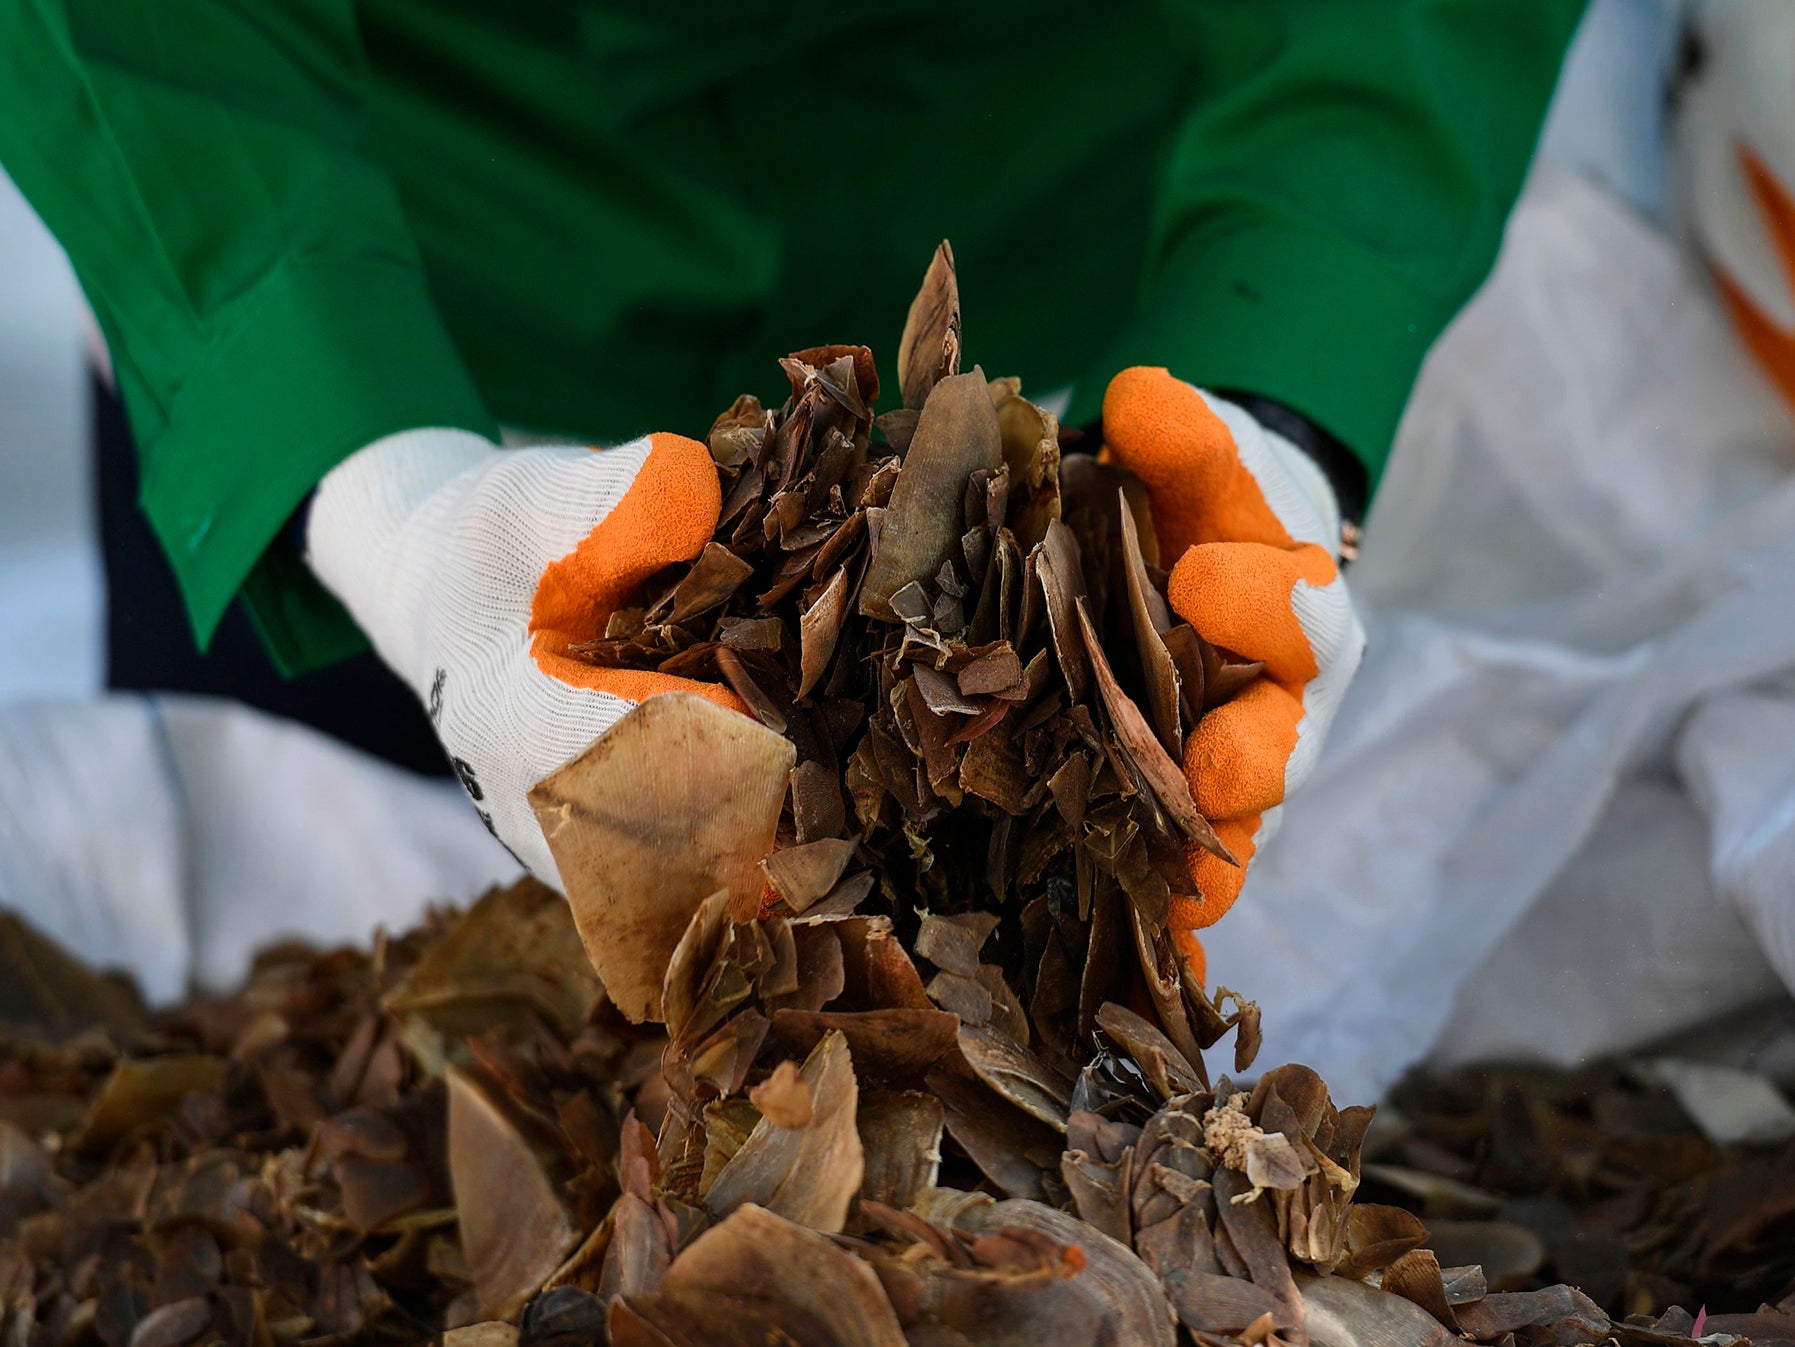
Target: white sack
1587,532
172,836
1738,757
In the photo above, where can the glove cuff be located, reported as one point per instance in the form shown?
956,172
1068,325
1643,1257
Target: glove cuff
360,525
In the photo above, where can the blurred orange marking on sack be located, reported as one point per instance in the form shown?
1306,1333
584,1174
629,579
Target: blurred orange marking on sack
1772,346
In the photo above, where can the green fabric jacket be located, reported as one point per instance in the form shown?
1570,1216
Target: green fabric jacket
304,224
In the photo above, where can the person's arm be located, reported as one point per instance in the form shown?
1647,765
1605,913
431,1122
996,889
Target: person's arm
253,273
272,332
1335,193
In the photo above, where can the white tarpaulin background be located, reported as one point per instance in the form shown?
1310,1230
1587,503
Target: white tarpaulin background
174,836
1579,585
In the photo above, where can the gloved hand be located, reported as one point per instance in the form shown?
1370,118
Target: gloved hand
472,569
1251,530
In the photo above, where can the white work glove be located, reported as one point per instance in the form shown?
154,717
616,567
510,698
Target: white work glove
1250,530
473,568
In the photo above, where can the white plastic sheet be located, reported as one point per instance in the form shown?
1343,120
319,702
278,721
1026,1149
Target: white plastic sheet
173,836
1582,559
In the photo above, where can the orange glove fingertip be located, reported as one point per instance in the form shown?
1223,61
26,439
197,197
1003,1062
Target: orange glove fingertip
1218,883
1165,432
681,497
1235,758
1238,597
1161,430
1158,424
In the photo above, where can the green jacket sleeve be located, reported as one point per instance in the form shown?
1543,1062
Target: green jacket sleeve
1335,193
254,276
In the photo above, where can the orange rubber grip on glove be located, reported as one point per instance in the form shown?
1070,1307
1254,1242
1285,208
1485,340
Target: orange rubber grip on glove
1235,567
668,514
